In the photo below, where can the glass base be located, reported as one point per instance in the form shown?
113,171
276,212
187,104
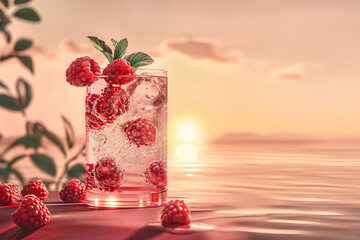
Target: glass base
128,197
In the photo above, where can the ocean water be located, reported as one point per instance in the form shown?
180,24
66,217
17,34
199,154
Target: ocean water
281,190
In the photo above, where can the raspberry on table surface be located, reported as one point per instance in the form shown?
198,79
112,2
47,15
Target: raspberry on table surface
73,191
31,214
175,212
37,188
9,194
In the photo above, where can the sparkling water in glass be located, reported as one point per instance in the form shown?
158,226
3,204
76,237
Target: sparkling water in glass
126,141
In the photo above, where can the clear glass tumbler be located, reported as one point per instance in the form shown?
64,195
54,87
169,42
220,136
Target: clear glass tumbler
126,140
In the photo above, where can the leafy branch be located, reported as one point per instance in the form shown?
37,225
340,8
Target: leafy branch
36,132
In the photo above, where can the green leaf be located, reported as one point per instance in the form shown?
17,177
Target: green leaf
114,42
21,1
45,163
28,14
15,159
24,93
3,85
3,25
39,128
9,103
69,131
139,59
27,62
5,2
18,175
22,44
120,48
101,46
7,35
29,141
76,171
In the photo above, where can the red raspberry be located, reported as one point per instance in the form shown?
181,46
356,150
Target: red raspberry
31,214
113,102
175,212
82,72
92,121
108,175
119,72
73,191
90,177
141,131
37,188
155,174
9,194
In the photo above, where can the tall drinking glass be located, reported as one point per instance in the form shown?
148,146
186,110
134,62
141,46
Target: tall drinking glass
126,141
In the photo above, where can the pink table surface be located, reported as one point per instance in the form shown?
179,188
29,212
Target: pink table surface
78,221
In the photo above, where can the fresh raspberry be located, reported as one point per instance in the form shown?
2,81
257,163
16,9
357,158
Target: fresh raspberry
31,214
82,72
108,175
155,174
141,131
9,194
37,188
92,121
119,72
175,212
73,191
90,177
113,102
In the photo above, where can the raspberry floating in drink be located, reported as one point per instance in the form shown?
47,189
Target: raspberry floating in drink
90,177
92,121
112,102
141,131
107,174
156,175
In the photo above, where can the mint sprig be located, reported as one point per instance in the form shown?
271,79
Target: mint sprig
101,45
135,59
139,59
120,48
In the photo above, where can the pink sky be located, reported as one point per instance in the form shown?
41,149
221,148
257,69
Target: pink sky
239,66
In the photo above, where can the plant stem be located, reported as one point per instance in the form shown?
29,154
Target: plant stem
66,169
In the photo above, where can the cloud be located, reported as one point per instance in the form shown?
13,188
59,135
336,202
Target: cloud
199,48
297,71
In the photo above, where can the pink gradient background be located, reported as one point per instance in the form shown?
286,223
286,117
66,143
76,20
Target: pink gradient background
264,67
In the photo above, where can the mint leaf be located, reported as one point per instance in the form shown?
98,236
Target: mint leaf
114,42
102,47
120,48
139,59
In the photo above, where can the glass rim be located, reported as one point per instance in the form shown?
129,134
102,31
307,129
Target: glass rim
159,73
